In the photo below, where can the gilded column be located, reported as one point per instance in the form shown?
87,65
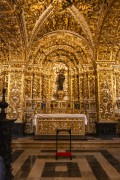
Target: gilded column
70,84
40,85
105,90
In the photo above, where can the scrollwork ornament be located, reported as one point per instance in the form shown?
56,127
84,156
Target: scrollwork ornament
62,4
106,107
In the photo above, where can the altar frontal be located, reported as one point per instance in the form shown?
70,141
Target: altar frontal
46,124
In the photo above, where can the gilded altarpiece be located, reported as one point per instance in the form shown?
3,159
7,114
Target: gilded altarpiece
27,91
40,39
41,94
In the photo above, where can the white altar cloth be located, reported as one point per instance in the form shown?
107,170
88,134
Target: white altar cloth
77,116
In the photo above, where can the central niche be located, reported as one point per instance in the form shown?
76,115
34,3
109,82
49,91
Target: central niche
60,81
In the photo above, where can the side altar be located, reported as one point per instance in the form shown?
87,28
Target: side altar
46,124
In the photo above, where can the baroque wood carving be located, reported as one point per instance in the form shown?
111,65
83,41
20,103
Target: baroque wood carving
38,38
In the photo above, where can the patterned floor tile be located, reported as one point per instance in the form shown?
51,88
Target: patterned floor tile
86,164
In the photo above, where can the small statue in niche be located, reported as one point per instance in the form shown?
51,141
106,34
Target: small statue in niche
60,80
43,103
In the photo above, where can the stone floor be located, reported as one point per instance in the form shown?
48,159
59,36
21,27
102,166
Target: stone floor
86,164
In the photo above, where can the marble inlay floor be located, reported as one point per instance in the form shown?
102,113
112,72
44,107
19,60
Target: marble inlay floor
86,164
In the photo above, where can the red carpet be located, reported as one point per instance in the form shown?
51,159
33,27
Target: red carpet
63,154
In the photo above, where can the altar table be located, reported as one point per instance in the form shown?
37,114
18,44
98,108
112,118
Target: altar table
46,124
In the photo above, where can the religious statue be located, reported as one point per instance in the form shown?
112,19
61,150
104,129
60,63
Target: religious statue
60,80
43,105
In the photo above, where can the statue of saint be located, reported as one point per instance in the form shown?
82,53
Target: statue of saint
60,80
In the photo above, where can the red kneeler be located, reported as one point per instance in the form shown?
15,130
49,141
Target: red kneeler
65,154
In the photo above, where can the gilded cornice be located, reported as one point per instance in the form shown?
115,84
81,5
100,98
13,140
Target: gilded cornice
105,65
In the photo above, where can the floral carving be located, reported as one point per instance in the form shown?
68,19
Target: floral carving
62,4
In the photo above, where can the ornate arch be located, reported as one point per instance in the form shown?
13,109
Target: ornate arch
64,41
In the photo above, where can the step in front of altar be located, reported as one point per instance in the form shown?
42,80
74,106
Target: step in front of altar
61,137
87,143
